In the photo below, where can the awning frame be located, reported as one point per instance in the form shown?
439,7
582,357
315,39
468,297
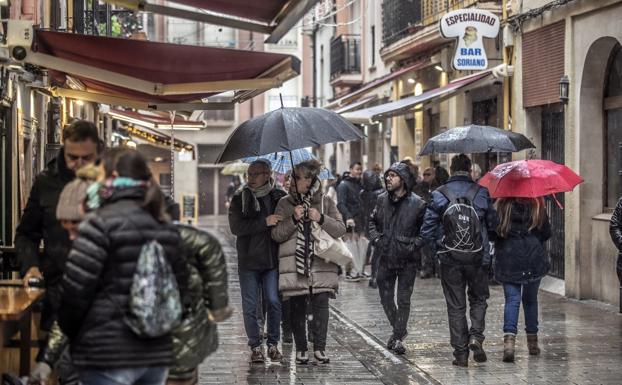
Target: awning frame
286,19
153,88
116,114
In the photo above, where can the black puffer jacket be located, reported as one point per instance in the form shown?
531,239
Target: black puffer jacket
372,188
394,226
256,249
615,230
97,281
520,257
39,223
349,201
197,337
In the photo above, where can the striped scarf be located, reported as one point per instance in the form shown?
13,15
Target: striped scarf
304,241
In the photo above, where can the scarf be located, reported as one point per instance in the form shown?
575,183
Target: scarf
304,242
250,195
100,191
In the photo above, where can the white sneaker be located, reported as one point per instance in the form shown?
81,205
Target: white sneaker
302,357
321,357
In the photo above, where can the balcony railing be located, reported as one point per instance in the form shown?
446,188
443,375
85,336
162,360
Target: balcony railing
433,10
399,17
345,55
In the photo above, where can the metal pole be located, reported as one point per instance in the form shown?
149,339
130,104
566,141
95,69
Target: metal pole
506,80
172,115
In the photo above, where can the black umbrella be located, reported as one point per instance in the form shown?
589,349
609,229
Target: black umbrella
473,139
286,129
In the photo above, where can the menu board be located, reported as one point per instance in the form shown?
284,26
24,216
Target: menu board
189,208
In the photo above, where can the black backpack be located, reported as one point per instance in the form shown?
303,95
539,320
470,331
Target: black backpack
462,228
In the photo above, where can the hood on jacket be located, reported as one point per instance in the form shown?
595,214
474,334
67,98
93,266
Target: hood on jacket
403,170
371,181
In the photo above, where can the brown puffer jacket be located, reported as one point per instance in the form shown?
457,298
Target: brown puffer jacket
324,276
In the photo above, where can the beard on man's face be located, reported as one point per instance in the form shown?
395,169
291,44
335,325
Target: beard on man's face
394,185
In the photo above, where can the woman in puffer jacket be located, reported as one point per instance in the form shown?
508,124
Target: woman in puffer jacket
520,263
100,270
302,275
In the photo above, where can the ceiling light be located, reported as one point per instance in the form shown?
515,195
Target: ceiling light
158,159
439,68
411,80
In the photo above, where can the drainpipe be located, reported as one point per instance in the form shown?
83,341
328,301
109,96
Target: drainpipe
314,47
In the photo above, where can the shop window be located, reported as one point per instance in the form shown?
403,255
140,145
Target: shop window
613,132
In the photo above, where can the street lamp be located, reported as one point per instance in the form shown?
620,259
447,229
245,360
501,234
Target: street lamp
564,89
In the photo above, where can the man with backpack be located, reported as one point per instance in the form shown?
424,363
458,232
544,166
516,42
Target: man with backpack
469,221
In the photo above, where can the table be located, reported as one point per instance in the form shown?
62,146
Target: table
16,304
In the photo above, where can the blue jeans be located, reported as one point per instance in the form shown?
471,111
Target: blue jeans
125,376
514,294
250,282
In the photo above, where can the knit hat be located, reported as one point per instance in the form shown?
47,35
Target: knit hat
70,200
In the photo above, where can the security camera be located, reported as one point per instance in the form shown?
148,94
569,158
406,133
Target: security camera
19,52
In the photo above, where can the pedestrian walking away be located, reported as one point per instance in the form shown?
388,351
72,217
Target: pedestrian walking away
615,230
469,221
520,263
424,190
304,278
96,308
81,147
349,205
394,228
372,188
251,218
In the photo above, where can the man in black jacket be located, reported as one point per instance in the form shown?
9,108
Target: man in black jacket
394,229
251,216
81,146
349,205
463,271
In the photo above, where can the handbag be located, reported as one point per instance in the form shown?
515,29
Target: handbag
328,248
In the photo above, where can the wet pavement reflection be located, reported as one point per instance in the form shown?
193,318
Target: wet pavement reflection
581,342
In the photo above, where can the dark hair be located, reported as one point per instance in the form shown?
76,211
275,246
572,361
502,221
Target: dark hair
460,163
353,164
81,130
130,163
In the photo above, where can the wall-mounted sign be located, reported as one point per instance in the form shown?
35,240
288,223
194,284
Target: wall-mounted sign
470,26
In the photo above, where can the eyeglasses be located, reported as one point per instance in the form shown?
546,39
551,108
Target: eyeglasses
256,174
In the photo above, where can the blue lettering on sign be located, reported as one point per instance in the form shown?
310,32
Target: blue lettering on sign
470,51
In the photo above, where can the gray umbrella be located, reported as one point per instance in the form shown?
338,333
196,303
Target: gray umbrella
473,139
286,129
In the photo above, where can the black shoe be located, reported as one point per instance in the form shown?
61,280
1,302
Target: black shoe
257,355
398,347
390,342
373,284
287,338
463,363
425,275
478,351
352,278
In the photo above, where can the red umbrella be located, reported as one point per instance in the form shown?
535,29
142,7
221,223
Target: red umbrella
529,179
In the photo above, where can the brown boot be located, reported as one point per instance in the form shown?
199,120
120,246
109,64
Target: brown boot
509,341
532,344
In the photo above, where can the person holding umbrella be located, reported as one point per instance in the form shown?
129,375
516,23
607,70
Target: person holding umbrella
520,264
520,257
304,278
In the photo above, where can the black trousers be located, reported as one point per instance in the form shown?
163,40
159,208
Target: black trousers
319,324
455,281
399,313
428,260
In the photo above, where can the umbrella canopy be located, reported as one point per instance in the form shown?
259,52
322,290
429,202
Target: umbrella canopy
287,129
235,168
529,179
471,139
281,162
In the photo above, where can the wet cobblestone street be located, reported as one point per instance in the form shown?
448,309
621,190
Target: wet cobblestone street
581,343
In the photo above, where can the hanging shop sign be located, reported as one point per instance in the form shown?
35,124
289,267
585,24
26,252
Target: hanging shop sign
470,27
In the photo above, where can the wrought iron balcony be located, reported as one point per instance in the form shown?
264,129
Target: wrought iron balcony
345,59
399,18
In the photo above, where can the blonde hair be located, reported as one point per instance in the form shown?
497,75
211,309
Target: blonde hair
504,209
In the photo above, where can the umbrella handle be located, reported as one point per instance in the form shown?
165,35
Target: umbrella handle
557,201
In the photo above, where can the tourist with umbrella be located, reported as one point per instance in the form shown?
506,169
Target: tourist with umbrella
520,256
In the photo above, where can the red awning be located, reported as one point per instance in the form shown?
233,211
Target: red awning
265,10
157,72
272,17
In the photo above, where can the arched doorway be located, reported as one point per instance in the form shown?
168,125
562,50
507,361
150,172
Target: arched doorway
613,128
